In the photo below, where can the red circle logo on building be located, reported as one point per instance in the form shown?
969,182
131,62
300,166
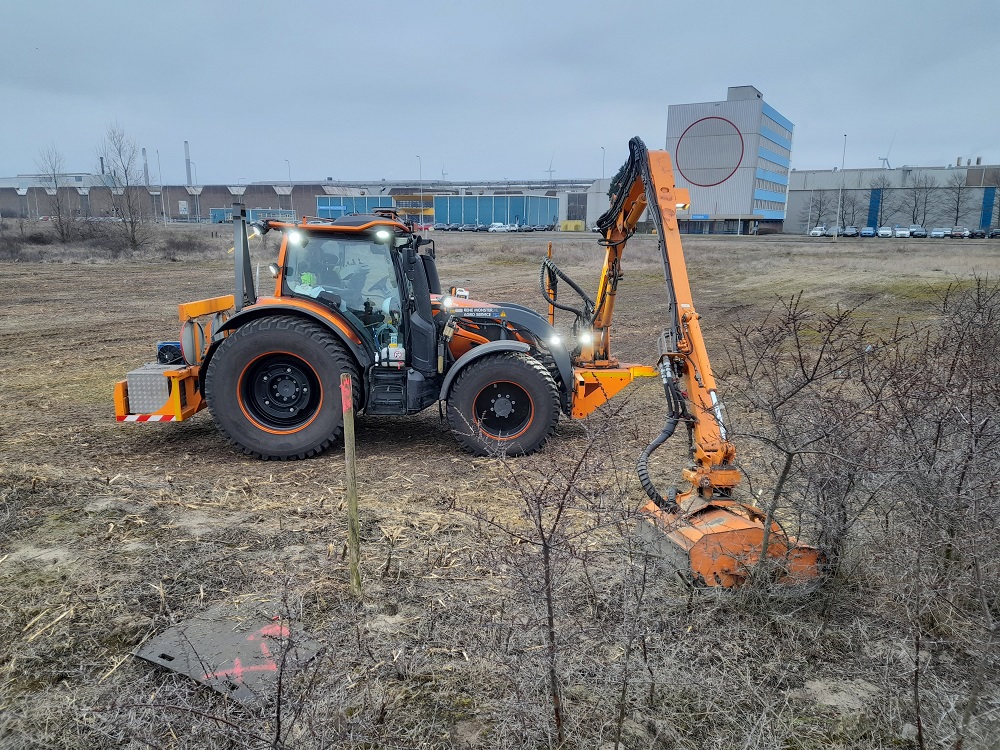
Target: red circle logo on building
709,151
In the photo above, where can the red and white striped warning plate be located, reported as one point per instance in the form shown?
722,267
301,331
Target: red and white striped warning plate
148,418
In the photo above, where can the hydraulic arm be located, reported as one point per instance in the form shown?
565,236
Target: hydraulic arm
702,529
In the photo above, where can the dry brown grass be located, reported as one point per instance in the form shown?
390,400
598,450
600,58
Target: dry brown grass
109,533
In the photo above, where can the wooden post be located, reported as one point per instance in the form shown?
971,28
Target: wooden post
353,527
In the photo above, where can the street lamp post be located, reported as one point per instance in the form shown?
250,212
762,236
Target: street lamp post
602,162
420,187
163,190
840,192
508,200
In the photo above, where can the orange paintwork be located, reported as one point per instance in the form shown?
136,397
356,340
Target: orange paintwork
184,380
595,387
722,542
190,310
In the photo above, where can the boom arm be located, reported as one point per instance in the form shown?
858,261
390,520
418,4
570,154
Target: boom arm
706,534
646,181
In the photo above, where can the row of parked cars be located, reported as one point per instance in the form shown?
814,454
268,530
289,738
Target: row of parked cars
914,230
497,226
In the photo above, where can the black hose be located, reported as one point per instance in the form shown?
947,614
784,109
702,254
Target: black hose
676,412
551,272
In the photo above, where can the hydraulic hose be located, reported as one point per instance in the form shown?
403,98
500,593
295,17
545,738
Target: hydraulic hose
551,272
675,413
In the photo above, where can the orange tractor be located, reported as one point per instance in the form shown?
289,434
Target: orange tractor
361,295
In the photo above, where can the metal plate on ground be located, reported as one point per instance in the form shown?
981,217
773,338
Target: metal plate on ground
235,654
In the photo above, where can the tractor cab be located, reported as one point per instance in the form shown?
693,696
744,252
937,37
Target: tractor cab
372,278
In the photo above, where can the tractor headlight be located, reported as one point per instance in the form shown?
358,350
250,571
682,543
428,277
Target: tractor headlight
448,301
297,237
586,337
555,340
383,235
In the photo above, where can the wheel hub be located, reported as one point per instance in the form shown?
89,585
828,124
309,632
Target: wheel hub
281,391
503,410
503,406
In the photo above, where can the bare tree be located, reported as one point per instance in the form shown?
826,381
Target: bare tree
957,196
821,204
127,200
883,194
851,207
51,165
929,187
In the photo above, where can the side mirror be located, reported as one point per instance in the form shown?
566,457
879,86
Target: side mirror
422,242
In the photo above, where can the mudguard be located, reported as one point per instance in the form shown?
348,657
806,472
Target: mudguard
363,357
475,353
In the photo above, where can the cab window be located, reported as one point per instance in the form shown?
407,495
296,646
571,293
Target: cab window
355,276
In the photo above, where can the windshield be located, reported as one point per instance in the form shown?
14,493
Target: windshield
355,276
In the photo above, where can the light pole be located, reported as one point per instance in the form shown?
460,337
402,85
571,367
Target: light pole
840,193
508,200
291,200
420,187
163,190
194,167
602,162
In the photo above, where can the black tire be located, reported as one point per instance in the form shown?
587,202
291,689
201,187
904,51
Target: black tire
273,387
503,404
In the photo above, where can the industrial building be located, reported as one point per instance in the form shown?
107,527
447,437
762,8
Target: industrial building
562,202
947,196
734,157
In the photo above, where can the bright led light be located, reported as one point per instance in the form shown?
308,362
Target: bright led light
555,341
447,302
683,206
586,338
295,237
382,234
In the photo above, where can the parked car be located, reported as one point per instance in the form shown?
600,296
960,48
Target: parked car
959,233
440,228
482,227
467,228
885,231
994,233
900,232
817,231
868,232
498,226
833,231
977,234
851,232
917,231
454,227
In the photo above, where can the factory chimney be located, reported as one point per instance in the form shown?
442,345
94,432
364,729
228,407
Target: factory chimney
187,162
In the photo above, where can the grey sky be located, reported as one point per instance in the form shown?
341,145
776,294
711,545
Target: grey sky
487,90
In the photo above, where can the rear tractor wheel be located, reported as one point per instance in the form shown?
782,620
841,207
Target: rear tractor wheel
273,388
503,404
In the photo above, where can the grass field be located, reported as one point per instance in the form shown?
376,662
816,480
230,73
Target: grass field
110,533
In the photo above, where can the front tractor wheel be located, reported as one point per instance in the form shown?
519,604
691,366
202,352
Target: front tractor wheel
505,404
273,388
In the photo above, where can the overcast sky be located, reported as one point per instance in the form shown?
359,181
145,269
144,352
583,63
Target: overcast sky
485,90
